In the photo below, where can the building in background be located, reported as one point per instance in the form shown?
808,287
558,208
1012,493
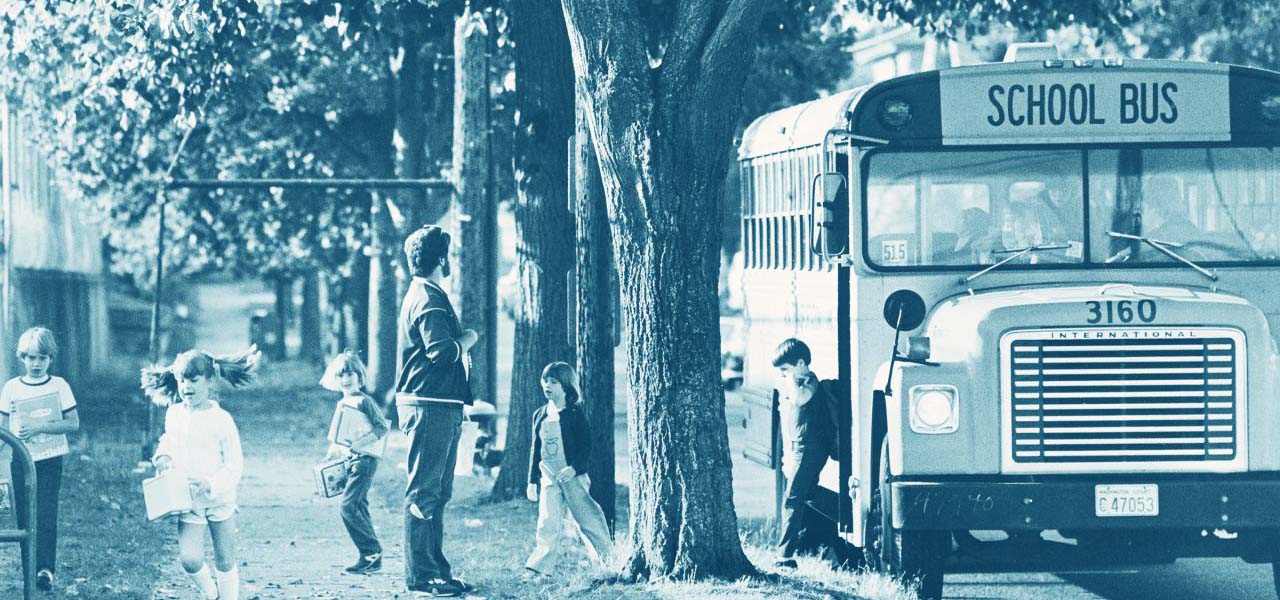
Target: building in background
886,52
53,271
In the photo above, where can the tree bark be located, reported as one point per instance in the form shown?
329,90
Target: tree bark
544,226
663,136
594,319
312,348
284,313
383,302
477,273
355,299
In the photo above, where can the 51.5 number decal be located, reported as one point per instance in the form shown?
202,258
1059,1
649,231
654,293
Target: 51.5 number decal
1123,311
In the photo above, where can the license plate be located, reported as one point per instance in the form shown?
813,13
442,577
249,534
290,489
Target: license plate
1126,500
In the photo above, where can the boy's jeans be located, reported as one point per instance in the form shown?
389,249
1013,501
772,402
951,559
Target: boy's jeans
796,513
433,432
48,485
556,502
355,504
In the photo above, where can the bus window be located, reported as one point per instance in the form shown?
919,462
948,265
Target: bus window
1219,203
963,208
959,215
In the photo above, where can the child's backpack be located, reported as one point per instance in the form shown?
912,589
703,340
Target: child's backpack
831,390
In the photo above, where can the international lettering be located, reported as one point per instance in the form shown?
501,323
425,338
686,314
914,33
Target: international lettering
1123,334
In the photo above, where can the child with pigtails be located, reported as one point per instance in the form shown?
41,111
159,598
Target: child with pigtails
201,442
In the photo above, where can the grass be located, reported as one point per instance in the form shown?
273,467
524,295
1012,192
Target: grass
106,549
109,551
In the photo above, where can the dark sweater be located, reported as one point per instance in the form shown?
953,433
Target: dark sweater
576,436
431,358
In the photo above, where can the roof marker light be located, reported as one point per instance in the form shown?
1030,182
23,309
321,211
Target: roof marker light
1269,109
895,113
1113,63
1082,63
1053,64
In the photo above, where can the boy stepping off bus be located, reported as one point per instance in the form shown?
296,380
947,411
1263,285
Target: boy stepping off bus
808,434
358,433
41,410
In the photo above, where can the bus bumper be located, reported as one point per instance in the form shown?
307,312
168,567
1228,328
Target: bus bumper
1206,502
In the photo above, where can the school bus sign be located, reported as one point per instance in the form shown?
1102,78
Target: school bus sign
1087,103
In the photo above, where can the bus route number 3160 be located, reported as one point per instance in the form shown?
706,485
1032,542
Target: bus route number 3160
1123,311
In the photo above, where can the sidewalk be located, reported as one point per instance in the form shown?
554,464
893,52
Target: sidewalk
292,543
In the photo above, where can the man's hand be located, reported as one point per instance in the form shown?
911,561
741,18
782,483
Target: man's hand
468,339
531,492
565,474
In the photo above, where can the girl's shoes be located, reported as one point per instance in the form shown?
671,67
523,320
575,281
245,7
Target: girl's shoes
366,564
531,574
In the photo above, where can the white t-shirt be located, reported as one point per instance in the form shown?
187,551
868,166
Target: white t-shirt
16,390
204,444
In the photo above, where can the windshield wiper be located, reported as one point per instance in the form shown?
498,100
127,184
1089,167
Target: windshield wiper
1165,248
1014,253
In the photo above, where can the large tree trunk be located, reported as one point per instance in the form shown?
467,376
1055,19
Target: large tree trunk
477,273
355,301
544,226
310,329
594,319
383,303
663,137
283,288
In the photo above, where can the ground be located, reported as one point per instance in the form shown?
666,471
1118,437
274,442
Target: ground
292,543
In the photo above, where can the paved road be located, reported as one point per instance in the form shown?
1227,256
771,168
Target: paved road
1192,579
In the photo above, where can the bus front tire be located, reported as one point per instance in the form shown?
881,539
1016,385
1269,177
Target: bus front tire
913,557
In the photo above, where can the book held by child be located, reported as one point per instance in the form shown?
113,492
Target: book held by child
42,410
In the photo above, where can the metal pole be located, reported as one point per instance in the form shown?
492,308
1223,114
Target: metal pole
6,196
26,535
153,343
308,183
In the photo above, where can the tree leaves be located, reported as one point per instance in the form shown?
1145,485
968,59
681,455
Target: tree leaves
269,89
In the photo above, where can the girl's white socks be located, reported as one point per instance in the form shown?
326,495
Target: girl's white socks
229,584
204,582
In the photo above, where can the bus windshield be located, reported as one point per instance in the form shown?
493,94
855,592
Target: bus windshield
969,208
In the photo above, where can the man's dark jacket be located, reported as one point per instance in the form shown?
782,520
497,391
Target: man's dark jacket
431,358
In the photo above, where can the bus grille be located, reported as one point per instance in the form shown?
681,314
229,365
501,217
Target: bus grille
1122,397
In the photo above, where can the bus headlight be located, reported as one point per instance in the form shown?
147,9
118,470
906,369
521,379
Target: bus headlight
934,409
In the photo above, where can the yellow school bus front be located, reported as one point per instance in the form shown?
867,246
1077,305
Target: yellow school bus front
1096,247
1093,247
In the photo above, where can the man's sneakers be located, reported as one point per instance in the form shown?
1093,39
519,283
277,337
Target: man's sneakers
44,580
366,564
440,588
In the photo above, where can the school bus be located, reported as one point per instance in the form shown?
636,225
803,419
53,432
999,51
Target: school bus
1049,291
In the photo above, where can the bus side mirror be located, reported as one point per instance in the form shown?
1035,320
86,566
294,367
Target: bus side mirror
904,310
828,215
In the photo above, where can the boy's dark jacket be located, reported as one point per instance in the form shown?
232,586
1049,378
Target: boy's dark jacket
574,432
